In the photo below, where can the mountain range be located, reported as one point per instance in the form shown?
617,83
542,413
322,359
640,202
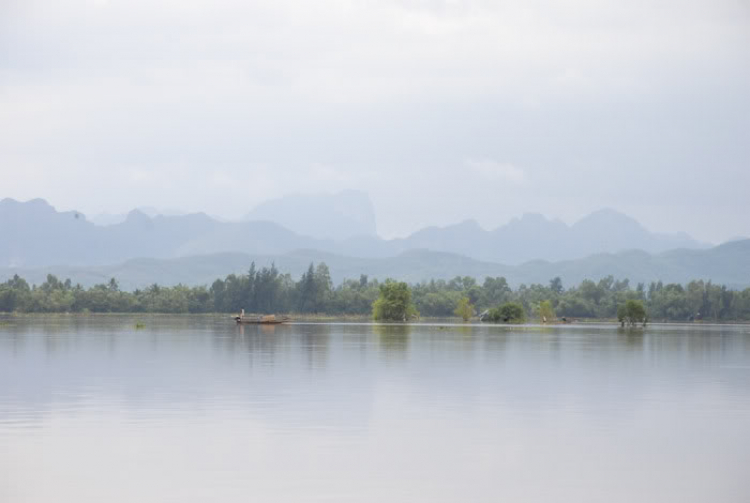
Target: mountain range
340,216
196,249
37,235
726,264
534,237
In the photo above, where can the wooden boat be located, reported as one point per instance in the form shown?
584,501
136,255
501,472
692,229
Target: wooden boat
260,320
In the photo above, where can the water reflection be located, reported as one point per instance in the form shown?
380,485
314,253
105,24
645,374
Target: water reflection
631,339
393,339
314,340
198,408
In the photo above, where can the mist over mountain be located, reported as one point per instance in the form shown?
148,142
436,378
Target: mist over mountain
40,236
532,237
726,264
105,218
337,216
33,233
36,235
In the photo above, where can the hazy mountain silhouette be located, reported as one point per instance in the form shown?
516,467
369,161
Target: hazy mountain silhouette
531,237
105,219
35,235
736,238
338,216
42,236
725,264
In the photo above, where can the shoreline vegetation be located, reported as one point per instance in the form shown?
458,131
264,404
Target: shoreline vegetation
314,297
145,320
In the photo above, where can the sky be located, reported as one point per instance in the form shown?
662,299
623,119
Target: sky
440,110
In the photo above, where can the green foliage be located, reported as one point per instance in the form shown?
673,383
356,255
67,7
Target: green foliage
315,290
631,312
464,310
546,311
266,290
510,312
394,302
556,285
495,291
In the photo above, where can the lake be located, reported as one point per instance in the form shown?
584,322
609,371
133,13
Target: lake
196,409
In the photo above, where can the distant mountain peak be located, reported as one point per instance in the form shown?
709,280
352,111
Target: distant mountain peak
136,216
342,224
533,217
530,223
734,239
35,203
8,201
337,216
607,211
469,223
606,215
37,208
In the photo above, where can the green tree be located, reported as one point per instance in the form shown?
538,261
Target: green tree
465,310
546,311
631,312
695,294
495,291
510,312
323,287
113,285
306,291
440,303
267,290
394,302
556,285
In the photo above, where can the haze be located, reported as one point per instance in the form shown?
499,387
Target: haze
440,110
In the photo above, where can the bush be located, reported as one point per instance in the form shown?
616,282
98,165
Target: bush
394,302
464,310
631,312
510,312
546,311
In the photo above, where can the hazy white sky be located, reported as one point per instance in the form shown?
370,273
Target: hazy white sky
441,110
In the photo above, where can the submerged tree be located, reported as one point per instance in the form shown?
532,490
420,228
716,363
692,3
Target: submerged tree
465,309
266,290
631,312
394,302
546,311
510,312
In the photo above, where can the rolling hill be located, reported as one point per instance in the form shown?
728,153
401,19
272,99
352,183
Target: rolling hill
35,235
727,264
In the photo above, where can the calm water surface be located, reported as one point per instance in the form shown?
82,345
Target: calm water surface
195,409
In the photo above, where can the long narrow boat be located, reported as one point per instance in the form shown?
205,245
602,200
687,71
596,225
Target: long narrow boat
260,320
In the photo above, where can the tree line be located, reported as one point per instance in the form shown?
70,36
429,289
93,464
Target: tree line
266,290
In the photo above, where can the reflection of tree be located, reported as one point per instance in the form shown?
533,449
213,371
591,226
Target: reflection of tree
257,340
466,332
315,341
393,339
631,339
262,343
465,339
495,345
